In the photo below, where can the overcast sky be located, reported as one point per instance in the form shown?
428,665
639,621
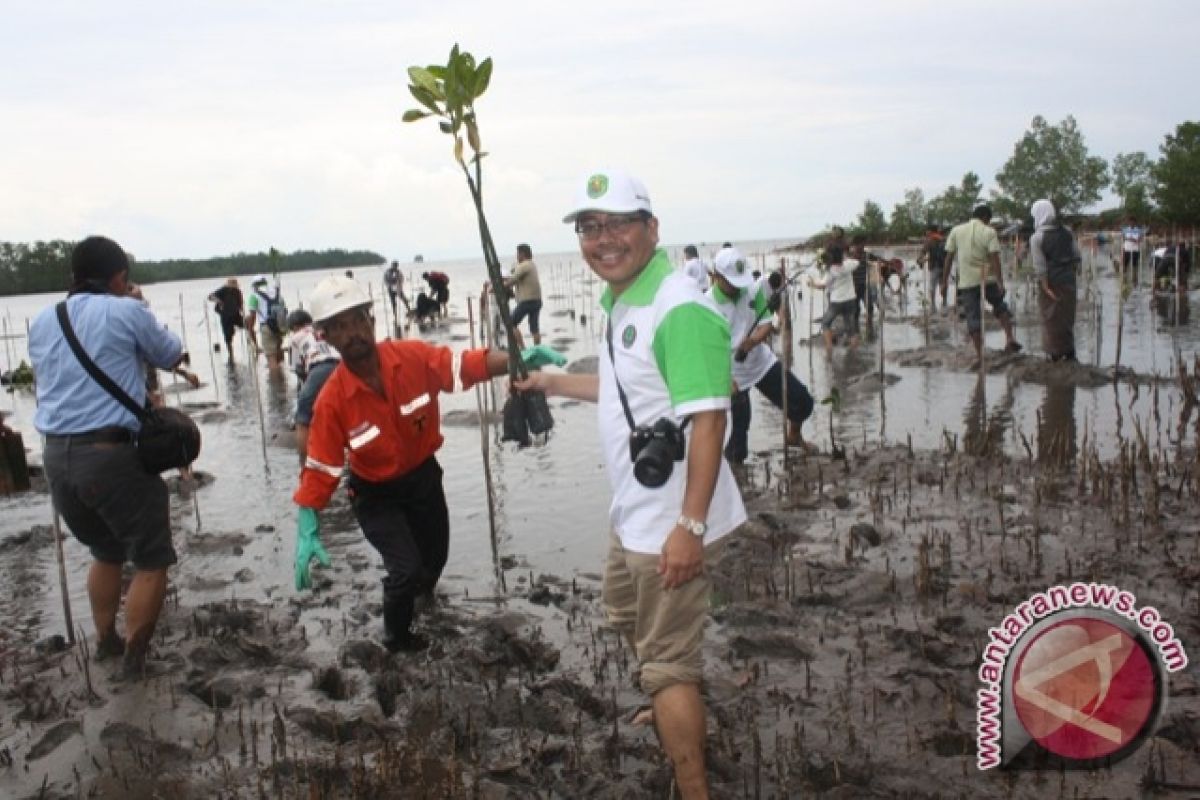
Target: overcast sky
187,129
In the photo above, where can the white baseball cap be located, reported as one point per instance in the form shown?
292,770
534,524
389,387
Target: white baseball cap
731,265
609,190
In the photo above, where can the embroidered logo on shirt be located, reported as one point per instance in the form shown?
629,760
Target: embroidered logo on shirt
628,336
416,403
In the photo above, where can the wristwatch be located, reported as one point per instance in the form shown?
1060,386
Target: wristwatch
693,526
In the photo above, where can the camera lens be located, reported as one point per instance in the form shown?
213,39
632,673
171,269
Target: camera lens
651,472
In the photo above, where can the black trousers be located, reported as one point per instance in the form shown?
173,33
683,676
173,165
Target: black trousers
407,521
800,408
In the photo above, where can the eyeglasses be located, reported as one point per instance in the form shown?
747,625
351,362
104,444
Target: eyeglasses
591,229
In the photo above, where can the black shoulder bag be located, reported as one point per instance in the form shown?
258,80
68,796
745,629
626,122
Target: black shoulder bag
168,438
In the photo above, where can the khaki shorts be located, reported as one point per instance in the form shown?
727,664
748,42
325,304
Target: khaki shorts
665,628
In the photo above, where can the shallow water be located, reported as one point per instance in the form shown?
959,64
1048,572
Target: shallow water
797,593
551,500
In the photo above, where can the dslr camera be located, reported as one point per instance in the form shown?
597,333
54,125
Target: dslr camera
654,449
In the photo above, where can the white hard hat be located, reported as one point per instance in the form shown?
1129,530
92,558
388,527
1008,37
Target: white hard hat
258,279
336,294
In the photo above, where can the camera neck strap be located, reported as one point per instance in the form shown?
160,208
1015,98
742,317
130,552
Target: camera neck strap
620,391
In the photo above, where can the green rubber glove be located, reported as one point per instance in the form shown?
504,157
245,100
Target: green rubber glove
308,546
540,355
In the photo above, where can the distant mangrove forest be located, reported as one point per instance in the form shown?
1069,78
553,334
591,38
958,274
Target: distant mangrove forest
28,268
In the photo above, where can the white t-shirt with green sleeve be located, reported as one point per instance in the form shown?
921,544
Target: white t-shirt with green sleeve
672,352
743,314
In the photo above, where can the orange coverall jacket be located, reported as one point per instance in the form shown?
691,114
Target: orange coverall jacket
386,436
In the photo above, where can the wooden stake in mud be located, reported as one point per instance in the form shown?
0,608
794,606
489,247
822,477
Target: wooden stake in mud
34,384
929,295
262,423
1120,315
62,573
487,462
1179,287
882,382
389,330
212,362
7,347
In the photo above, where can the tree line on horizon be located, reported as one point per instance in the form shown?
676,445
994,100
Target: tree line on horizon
31,268
1052,162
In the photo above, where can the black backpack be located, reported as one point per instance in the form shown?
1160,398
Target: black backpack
1058,246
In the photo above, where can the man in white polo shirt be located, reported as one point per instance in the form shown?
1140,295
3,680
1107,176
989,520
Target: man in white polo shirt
745,304
662,395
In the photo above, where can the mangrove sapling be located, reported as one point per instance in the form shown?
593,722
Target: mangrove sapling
834,401
448,93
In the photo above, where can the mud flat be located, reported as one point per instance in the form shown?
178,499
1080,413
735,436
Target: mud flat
849,616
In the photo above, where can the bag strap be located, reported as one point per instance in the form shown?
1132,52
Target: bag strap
97,374
620,391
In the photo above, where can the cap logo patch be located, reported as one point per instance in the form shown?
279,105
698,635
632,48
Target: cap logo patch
597,185
628,336
740,266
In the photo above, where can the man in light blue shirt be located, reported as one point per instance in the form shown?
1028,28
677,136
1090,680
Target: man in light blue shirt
97,482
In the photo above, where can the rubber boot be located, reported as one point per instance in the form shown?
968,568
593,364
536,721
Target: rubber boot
397,623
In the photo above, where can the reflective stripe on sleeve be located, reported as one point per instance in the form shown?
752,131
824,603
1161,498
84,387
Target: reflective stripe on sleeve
456,368
364,438
328,469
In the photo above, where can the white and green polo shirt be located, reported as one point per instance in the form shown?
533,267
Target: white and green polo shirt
741,312
671,348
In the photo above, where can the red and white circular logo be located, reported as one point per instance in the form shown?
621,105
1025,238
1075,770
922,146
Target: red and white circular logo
1085,688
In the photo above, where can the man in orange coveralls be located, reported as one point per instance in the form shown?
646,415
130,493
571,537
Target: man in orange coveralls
381,404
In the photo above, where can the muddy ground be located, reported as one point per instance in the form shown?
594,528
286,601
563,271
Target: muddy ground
849,615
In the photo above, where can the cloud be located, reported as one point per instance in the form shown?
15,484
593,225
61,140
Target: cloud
197,129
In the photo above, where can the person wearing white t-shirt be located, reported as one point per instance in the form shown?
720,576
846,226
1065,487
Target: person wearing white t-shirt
1132,235
746,305
839,291
694,268
662,394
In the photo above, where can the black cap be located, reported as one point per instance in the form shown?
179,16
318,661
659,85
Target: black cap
97,258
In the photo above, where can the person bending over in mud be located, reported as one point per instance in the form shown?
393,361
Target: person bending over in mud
841,301
662,396
745,305
381,405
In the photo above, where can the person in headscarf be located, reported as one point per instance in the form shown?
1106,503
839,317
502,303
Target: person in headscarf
1056,260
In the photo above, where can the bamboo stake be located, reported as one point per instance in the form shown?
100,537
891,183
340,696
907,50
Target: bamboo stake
1120,315
7,347
930,294
262,423
1179,289
212,362
882,357
62,573
487,462
388,329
